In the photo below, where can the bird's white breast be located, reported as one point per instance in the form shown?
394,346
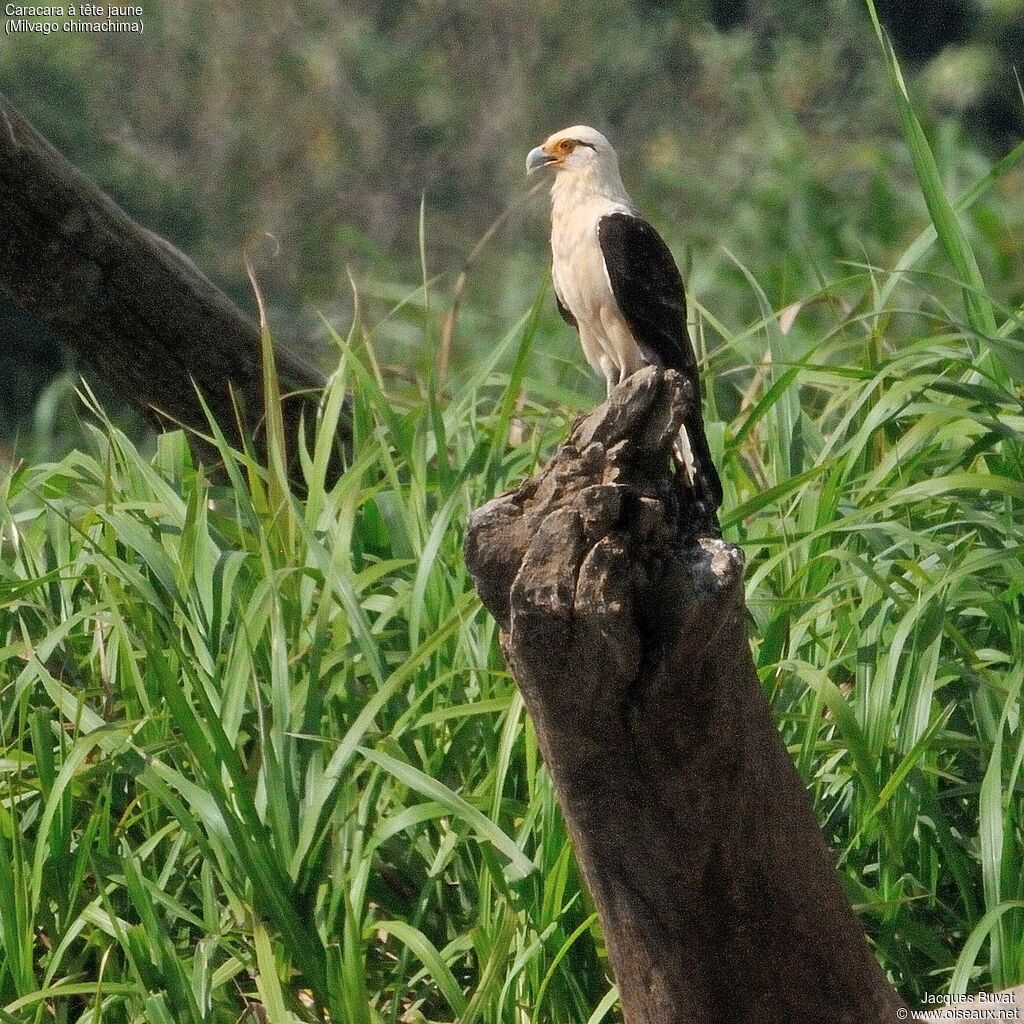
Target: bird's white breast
577,263
582,285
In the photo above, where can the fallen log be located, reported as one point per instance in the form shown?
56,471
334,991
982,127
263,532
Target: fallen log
125,300
623,621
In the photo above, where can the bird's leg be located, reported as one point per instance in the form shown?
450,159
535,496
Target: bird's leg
611,373
684,455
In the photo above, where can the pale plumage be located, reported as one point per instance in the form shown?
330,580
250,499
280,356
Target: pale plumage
617,284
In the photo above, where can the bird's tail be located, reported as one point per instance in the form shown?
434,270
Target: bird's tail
698,470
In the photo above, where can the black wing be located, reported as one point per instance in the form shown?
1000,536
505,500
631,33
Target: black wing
648,289
564,310
649,293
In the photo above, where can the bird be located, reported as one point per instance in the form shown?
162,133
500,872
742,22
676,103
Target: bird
617,284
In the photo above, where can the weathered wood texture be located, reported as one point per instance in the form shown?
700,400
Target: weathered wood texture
138,311
624,624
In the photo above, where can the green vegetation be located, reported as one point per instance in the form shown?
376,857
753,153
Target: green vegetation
259,752
765,130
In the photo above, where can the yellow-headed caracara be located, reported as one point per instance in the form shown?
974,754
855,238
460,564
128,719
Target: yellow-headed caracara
617,284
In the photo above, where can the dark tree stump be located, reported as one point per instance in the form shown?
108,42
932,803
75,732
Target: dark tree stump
624,623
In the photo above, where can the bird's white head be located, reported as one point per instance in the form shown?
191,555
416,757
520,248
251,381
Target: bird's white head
582,160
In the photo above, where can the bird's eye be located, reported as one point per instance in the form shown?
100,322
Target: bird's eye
567,145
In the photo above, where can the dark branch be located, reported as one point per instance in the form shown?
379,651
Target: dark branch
137,310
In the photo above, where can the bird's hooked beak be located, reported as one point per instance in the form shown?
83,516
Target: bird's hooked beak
537,158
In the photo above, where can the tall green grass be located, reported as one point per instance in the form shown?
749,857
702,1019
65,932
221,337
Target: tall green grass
260,757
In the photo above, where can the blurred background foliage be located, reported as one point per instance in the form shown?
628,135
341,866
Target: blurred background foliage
756,134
